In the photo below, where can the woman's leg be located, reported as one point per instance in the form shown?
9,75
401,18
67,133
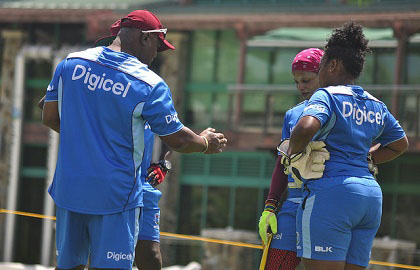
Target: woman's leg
282,253
281,260
323,265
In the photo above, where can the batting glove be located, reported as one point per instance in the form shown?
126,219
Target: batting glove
268,220
157,172
308,164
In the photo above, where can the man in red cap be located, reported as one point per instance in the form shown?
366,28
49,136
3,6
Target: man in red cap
147,252
140,19
102,101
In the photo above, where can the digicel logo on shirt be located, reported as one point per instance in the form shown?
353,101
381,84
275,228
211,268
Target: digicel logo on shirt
95,81
361,116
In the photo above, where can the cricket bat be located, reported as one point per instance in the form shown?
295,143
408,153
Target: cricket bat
265,252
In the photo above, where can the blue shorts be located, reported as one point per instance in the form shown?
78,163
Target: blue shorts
150,227
285,238
110,240
339,222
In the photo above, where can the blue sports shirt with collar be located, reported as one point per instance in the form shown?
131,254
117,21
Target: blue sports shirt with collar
351,120
151,195
290,120
104,99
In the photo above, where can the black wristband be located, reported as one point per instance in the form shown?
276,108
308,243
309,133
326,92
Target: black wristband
165,165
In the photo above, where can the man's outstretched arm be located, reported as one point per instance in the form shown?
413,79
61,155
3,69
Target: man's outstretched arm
186,141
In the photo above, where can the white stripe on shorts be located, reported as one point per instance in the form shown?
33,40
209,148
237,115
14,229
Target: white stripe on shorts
138,216
306,227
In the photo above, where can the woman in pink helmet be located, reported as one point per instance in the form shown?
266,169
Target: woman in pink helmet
282,251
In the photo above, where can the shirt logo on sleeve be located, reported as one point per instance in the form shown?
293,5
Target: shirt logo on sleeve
50,87
171,118
94,81
361,116
316,107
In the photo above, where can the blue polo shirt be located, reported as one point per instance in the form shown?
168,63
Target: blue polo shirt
151,195
290,120
351,120
104,100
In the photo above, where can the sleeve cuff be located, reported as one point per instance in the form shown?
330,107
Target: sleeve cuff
166,134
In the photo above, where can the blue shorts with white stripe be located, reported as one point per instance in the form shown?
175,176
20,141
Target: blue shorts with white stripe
339,221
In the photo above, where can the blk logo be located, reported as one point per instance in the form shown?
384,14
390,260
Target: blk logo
323,249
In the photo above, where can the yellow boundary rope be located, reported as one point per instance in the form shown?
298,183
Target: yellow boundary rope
211,240
204,239
26,214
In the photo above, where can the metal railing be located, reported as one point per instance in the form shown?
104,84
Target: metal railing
402,100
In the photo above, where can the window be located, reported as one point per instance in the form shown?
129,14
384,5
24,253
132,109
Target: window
214,63
203,55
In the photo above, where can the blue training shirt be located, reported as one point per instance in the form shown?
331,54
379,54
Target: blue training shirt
351,120
104,99
290,120
151,195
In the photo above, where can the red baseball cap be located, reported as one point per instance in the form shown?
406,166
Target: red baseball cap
141,19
